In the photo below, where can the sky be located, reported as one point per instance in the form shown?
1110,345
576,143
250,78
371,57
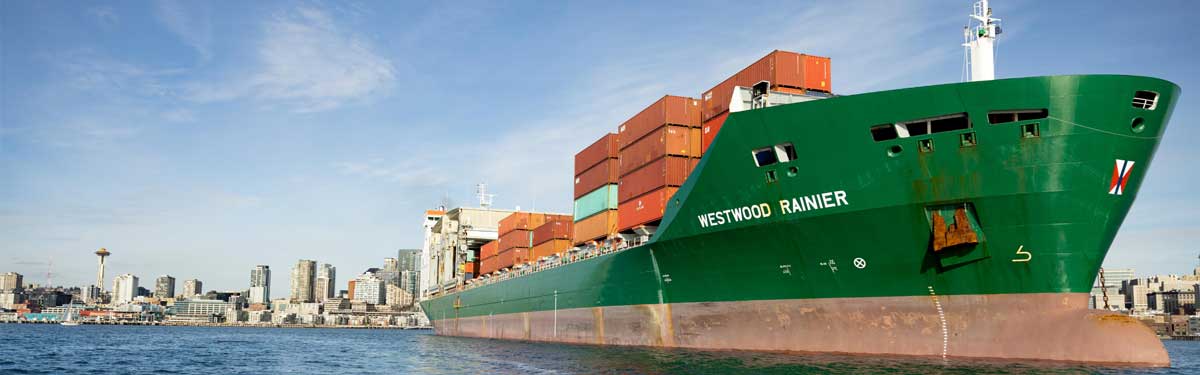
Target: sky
199,139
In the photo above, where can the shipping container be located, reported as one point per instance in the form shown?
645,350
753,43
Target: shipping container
666,171
604,198
470,268
557,229
511,257
667,140
522,221
595,227
604,148
557,246
709,129
489,249
485,265
670,110
786,71
644,209
599,175
515,238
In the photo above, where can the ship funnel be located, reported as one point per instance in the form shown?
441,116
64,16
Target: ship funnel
979,39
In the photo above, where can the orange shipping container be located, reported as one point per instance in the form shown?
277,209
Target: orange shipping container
710,128
604,148
520,220
485,266
555,229
667,140
549,248
511,257
514,239
470,268
670,110
602,174
595,227
666,171
787,71
489,249
644,209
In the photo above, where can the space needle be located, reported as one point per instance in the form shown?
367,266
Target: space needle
102,253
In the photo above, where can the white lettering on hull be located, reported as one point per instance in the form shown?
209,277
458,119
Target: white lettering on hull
763,210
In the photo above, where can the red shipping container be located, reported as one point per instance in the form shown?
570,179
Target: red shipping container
644,209
557,228
670,110
787,71
511,257
489,249
515,238
504,260
595,227
602,174
709,130
666,171
522,221
557,246
604,148
667,140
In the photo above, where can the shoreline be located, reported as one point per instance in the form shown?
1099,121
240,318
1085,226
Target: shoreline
235,325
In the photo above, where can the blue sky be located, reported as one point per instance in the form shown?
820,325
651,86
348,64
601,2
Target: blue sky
198,139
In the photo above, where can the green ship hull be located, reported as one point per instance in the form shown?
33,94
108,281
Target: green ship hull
978,241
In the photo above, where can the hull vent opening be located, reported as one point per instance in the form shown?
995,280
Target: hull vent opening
1145,100
956,235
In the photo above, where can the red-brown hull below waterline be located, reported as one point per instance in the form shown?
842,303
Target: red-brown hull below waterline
1043,326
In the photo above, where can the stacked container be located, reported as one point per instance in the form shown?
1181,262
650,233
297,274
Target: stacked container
516,238
487,257
786,71
658,149
596,191
552,237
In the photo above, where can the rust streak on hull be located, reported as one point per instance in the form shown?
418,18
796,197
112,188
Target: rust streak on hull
1044,326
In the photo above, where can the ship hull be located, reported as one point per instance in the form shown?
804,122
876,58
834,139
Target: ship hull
1036,203
1047,326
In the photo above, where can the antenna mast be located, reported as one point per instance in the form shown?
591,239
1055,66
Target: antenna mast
485,199
979,38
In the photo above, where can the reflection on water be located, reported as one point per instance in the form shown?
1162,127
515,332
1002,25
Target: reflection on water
54,349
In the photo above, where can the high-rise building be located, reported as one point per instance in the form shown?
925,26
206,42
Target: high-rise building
370,289
260,284
326,282
397,296
164,287
304,278
125,288
90,294
408,259
11,282
192,288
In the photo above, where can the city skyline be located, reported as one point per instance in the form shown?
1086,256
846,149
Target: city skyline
103,115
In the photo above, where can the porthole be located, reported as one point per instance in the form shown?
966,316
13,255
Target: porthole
895,150
793,171
1138,125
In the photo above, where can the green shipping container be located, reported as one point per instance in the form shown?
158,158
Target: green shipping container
604,198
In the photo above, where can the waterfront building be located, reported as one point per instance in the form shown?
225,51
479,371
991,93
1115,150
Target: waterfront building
192,288
370,288
164,287
335,304
350,289
258,316
326,282
454,237
200,310
11,282
260,284
397,296
125,288
1194,324
1174,302
304,276
91,294
10,300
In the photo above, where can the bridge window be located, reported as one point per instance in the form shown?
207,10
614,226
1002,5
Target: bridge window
1003,117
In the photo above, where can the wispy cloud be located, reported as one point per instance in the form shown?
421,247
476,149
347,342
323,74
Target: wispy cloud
307,62
192,26
413,172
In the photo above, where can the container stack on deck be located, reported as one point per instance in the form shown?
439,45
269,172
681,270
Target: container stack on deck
788,72
596,191
516,237
552,237
658,149
487,257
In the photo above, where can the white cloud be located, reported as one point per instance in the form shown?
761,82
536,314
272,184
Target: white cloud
194,29
308,63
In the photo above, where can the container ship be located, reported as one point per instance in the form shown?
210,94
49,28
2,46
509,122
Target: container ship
957,220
